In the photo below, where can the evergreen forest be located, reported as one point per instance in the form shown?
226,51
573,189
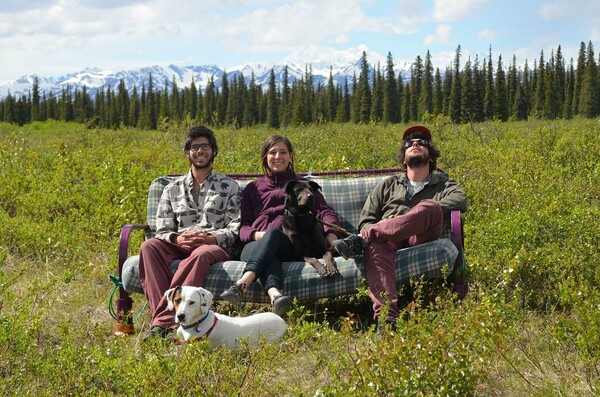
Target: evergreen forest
476,91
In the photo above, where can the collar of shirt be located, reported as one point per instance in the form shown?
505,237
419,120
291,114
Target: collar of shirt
189,178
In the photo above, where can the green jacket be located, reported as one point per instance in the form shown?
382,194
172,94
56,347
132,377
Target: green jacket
388,198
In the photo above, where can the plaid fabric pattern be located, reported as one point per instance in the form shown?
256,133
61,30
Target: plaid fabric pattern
346,196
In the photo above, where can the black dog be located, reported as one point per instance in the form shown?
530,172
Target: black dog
302,227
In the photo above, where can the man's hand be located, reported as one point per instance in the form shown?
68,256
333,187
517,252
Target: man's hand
192,239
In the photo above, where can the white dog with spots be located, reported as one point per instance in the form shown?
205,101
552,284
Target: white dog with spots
196,320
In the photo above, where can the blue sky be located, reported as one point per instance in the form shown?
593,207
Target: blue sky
53,38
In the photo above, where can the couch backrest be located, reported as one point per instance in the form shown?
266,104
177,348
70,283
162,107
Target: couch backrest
345,195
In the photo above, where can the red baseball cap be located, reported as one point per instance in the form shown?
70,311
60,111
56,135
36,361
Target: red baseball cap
417,128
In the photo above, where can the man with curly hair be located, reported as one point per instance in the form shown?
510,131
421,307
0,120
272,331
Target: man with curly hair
402,211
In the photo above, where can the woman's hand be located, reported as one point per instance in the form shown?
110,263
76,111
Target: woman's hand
258,235
330,237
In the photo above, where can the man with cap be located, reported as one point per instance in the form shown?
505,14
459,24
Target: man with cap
403,210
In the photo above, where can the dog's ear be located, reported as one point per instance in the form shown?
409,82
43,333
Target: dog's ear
206,297
289,186
290,197
314,186
170,295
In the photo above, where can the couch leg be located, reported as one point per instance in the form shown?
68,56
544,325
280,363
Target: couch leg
124,325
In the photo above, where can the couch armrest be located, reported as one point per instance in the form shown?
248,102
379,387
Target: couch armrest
124,302
456,227
124,242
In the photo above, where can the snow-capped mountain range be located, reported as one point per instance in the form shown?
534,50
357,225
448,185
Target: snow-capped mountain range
341,67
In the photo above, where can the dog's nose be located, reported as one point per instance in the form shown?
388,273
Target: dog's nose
181,316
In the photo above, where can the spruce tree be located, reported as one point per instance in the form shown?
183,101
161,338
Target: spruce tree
332,97
134,107
377,102
406,101
354,105
550,108
438,95
285,107
479,90
539,95
363,94
527,87
272,108
122,104
416,85
222,100
567,110
35,100
455,91
190,101
501,96
560,82
251,104
426,94
520,105
512,83
391,106
589,101
446,90
467,96
581,62
210,102
488,98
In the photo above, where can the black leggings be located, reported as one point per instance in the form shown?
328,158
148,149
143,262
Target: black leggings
265,257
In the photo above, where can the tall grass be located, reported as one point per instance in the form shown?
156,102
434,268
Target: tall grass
528,327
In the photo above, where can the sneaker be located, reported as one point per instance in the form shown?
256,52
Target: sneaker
350,246
282,304
234,294
389,325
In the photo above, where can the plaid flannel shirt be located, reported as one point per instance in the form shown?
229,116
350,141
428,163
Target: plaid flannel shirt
217,211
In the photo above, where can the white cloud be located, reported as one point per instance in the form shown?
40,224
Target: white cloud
569,9
441,35
455,10
487,35
291,25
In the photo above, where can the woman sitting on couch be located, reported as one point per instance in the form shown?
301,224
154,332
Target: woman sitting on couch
266,245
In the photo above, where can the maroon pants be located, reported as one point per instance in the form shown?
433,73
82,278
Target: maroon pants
156,257
421,224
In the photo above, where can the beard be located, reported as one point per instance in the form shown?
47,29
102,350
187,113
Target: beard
201,164
417,160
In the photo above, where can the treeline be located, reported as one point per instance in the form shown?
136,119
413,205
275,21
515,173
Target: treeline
477,91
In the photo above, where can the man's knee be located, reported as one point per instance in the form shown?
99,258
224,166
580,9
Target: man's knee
431,207
150,244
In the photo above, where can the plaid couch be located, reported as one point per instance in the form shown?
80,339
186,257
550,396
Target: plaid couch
346,196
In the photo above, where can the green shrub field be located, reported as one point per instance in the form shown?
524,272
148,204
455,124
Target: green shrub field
530,325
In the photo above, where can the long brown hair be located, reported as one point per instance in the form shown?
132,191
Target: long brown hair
268,144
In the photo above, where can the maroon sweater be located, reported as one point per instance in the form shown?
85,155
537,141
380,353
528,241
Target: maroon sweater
263,203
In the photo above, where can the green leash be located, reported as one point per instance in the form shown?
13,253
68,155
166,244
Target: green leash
111,300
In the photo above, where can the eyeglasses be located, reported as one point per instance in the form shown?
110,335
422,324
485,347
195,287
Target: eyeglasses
204,146
420,142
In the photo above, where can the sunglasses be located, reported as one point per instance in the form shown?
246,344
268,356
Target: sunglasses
420,142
